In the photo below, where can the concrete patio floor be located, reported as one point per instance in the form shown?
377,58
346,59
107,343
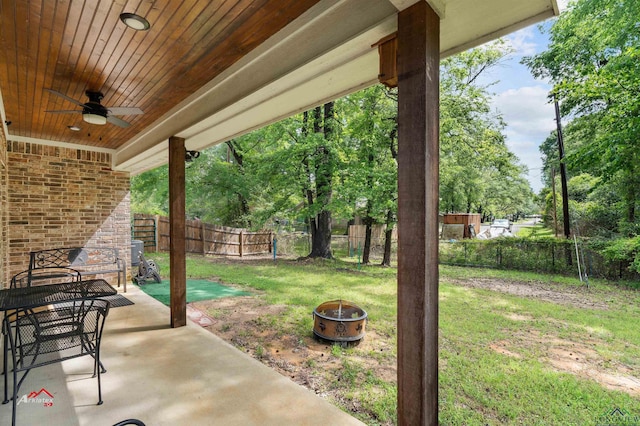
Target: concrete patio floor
165,376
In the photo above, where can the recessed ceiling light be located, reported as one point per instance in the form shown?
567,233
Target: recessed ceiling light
74,128
135,22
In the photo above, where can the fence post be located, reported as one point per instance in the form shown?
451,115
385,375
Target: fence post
204,240
464,244
156,229
241,242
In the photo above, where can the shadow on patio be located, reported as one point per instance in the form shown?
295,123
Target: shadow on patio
165,376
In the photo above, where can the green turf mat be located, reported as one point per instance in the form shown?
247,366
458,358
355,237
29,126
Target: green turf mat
196,290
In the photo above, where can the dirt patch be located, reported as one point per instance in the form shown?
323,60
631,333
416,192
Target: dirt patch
579,297
254,327
261,330
577,358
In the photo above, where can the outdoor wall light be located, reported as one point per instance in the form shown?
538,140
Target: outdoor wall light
135,22
191,155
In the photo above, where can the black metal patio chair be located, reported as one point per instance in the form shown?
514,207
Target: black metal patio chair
55,334
135,422
34,277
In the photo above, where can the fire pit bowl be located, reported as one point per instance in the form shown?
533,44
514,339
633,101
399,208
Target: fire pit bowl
339,321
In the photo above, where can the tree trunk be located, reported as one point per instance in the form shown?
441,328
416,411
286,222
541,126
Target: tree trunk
321,238
390,220
366,251
388,235
238,156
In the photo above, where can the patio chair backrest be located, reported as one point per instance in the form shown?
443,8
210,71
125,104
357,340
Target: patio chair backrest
53,275
127,422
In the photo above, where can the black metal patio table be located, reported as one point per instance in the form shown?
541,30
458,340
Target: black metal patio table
34,296
17,303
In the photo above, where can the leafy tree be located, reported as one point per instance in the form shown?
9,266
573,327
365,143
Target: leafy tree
593,62
369,176
477,171
150,192
339,160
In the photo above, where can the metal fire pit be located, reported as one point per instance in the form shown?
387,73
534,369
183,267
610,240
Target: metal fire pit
339,321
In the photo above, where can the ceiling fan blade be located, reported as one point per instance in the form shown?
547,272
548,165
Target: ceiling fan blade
65,97
68,111
117,121
124,111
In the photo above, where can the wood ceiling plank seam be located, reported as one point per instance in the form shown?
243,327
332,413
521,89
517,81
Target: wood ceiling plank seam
30,58
64,66
143,67
117,60
81,78
22,45
58,18
196,74
274,31
122,96
47,54
92,46
42,58
232,45
84,76
51,121
78,81
287,15
10,85
228,27
166,77
155,52
217,25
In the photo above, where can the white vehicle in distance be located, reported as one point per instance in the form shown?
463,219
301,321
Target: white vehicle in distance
501,223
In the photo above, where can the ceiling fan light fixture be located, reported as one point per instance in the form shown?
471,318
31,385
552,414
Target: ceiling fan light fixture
93,118
135,22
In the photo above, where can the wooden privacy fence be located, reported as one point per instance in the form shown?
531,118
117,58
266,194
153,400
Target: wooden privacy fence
357,235
204,238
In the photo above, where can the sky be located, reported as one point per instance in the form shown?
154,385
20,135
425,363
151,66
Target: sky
523,101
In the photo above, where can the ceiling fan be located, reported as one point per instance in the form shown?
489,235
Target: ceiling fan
94,112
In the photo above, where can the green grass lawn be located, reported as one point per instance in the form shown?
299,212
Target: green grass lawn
538,230
504,359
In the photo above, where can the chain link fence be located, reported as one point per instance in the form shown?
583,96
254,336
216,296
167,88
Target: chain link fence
558,257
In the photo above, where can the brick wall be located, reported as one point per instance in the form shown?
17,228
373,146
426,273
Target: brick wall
61,197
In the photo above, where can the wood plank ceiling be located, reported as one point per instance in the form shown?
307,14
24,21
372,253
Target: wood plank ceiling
72,46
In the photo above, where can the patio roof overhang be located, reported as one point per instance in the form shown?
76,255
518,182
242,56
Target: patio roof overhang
324,54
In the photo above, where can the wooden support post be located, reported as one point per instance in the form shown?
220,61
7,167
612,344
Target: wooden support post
178,247
241,240
418,158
